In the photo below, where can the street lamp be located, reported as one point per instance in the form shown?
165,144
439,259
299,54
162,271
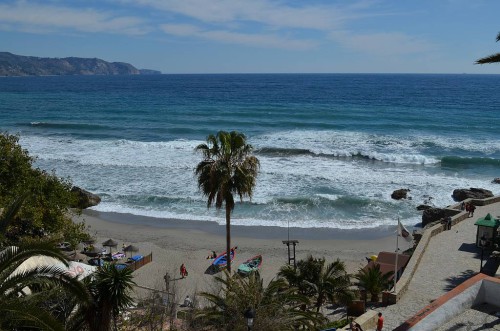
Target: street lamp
249,316
482,243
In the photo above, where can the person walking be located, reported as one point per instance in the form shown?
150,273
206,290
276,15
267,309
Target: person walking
471,210
380,322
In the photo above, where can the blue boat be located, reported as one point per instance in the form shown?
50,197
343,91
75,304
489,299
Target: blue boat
221,260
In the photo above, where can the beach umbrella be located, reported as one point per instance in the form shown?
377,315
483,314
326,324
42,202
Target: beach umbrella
75,256
131,248
94,251
110,243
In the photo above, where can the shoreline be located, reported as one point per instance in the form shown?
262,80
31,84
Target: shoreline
250,231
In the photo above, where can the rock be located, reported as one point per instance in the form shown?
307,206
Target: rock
400,194
84,198
432,215
423,207
472,193
496,180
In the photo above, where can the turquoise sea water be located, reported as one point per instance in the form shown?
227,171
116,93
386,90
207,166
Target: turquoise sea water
332,147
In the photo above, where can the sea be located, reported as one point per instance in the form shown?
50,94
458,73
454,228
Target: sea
332,147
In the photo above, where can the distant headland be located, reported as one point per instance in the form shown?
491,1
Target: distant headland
18,65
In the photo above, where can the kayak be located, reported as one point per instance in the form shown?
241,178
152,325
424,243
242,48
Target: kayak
221,260
250,265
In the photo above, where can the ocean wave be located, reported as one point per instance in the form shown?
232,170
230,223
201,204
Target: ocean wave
69,126
456,161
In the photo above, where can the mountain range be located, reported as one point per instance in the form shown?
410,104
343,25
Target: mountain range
19,65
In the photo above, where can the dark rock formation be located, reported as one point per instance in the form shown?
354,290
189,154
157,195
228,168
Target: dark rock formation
496,180
18,65
472,193
432,215
400,194
84,198
423,207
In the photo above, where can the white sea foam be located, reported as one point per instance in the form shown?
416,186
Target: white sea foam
156,178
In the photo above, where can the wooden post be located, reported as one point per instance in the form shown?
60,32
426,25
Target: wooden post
291,258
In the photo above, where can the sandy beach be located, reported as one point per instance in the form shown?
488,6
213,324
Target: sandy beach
174,242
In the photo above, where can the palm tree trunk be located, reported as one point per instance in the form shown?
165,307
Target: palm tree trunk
228,237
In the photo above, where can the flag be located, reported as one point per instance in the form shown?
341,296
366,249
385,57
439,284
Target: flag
403,232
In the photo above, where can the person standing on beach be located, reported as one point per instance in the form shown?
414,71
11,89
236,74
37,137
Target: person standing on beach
448,223
183,271
380,322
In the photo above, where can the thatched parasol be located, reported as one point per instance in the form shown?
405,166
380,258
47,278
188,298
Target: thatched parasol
110,243
131,248
75,256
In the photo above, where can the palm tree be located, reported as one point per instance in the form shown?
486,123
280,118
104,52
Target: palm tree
23,288
319,281
227,168
495,58
111,290
373,280
276,306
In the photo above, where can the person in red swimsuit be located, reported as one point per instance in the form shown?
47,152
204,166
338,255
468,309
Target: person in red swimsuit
380,322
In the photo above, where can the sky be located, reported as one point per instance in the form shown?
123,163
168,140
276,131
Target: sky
260,36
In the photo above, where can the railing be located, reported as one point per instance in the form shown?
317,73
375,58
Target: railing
142,262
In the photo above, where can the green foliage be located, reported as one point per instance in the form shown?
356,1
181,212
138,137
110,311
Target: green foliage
320,282
373,280
111,290
494,58
20,307
276,306
41,199
227,169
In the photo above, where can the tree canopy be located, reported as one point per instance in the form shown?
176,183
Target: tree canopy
37,201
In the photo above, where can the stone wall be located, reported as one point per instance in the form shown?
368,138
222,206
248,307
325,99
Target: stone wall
404,282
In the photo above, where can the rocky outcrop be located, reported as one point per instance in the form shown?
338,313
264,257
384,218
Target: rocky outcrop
472,193
400,194
432,215
423,207
18,65
496,180
84,199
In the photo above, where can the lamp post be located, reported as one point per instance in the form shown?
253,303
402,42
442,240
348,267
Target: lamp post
249,316
482,242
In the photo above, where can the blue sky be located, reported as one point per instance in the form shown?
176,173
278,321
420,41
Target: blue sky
257,36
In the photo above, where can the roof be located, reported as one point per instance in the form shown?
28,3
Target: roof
488,221
386,261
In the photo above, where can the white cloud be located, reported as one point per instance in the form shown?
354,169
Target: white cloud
382,43
259,40
27,16
271,13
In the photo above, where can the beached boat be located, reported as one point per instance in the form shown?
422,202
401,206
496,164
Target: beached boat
250,265
221,260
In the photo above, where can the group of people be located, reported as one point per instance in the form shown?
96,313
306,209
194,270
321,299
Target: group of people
468,207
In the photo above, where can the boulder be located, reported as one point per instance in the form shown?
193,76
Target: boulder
432,215
84,199
472,193
400,194
496,180
423,207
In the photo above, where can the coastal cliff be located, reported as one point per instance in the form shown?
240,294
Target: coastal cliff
18,65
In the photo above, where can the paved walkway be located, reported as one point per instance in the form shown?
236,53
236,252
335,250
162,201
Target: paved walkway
450,258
